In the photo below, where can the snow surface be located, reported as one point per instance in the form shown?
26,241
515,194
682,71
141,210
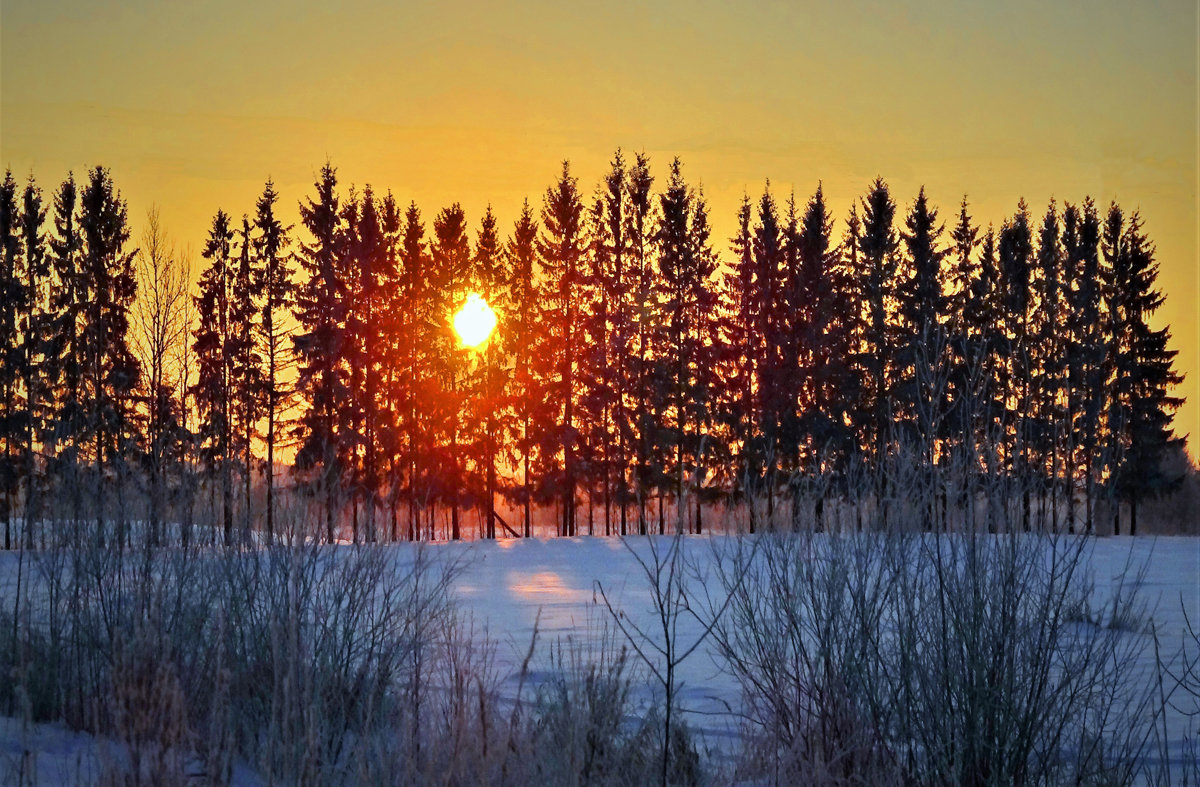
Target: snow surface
510,586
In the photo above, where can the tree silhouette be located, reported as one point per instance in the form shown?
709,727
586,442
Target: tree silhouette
65,369
1141,405
12,297
968,372
321,310
450,252
921,355
822,299
111,372
561,246
275,288
519,338
876,283
213,389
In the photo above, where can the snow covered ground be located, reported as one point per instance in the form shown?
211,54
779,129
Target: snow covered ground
509,587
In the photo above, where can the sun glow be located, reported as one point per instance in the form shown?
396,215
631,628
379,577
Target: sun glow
475,321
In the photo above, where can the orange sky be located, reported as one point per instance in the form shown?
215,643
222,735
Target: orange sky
194,104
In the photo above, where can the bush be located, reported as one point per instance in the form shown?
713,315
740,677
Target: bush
889,657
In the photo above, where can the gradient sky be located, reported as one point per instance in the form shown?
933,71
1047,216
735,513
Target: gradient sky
194,104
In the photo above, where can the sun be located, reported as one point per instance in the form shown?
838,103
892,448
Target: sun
474,321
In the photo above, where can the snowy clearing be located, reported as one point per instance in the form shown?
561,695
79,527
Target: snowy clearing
509,588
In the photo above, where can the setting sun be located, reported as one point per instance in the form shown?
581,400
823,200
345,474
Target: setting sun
475,321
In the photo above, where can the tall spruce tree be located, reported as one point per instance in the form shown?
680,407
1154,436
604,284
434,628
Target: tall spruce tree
244,344
739,362
1141,402
12,408
596,390
1086,360
321,308
275,289
922,379
966,361
1014,250
618,301
686,264
111,372
416,387
372,271
772,333
211,343
823,347
450,254
561,246
1047,433
639,222
701,346
876,282
65,373
388,355
519,337
35,345
489,368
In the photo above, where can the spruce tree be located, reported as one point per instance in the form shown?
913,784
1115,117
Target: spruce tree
489,374
65,364
371,272
686,264
676,267
701,347
416,387
1014,249
1141,402
274,287
876,283
619,307
450,254
1048,356
739,362
771,333
35,345
923,309
639,222
244,343
560,248
211,343
519,337
1086,359
388,356
110,371
966,360
320,345
596,370
12,408
823,345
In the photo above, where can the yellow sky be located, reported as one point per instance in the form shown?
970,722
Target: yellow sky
194,104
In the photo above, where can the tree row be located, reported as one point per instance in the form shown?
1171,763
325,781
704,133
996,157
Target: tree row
642,373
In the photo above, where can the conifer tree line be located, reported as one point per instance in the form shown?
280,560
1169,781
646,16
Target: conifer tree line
643,372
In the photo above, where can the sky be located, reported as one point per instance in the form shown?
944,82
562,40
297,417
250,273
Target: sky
193,105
